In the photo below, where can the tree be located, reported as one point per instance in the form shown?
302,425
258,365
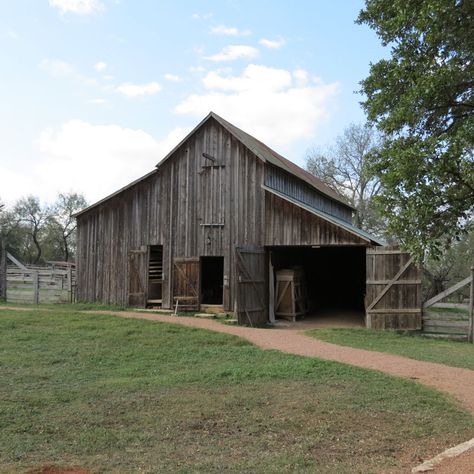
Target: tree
422,99
345,168
63,224
452,266
30,213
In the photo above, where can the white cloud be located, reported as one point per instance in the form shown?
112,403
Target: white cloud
77,155
98,101
254,77
202,16
301,76
270,103
11,34
138,90
233,52
62,69
229,31
273,44
57,68
172,78
100,66
80,7
197,69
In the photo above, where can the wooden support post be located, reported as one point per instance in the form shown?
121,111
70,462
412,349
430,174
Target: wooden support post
35,275
471,308
3,271
69,280
271,290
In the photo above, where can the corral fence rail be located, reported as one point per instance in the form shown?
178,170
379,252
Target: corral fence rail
54,282
442,319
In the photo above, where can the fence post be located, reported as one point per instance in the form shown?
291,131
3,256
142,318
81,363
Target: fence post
69,279
3,271
471,308
35,287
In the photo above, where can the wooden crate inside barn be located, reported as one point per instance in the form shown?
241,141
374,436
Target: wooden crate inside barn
289,294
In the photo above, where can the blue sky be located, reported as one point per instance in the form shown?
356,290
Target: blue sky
94,92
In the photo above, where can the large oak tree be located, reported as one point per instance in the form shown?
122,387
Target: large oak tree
422,99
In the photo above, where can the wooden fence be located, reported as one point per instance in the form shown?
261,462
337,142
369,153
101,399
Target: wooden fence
455,321
52,283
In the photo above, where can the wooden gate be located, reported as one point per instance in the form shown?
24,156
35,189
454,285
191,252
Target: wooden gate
393,290
186,283
137,279
250,280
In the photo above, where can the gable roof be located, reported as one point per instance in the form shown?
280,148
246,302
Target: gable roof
266,154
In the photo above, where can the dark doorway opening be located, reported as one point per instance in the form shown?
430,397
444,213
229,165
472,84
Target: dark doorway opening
155,275
212,280
333,278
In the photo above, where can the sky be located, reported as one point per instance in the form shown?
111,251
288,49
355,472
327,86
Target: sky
93,93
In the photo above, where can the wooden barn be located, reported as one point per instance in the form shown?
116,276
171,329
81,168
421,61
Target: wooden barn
225,221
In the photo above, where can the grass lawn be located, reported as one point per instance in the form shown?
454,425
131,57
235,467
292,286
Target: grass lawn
455,354
120,395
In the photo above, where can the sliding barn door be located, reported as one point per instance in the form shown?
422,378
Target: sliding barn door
137,277
393,292
186,286
250,281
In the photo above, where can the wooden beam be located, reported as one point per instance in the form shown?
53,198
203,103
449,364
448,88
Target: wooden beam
447,292
15,261
3,271
271,290
470,335
399,282
390,284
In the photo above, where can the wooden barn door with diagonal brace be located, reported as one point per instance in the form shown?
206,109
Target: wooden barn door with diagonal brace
186,284
393,290
250,282
137,279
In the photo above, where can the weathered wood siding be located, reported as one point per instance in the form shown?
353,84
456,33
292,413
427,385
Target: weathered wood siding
188,207
393,290
295,188
288,224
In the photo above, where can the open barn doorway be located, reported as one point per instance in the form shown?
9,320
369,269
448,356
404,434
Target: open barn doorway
321,285
155,276
212,280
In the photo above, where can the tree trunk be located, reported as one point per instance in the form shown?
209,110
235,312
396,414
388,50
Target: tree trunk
38,247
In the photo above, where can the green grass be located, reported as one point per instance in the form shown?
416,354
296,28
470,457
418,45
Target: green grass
463,313
455,354
120,395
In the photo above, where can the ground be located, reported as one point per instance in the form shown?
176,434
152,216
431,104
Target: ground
101,393
452,353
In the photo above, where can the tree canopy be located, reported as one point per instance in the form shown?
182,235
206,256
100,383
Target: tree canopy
422,99
345,168
35,232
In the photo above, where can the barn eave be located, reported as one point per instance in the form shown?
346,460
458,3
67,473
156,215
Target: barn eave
370,239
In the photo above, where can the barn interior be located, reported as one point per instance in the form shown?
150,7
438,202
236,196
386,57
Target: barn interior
155,275
212,280
329,283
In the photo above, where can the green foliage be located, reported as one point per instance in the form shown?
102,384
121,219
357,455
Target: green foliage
453,265
35,232
122,395
345,167
454,354
422,99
